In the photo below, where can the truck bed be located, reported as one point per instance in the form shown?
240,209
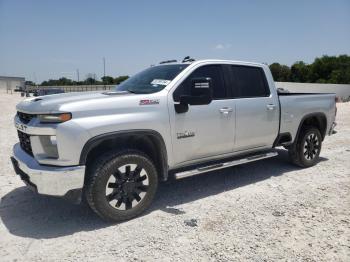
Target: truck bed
296,106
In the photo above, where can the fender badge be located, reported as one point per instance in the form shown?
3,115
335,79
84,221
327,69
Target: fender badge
185,134
149,102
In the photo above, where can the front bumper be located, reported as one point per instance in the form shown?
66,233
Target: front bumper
47,180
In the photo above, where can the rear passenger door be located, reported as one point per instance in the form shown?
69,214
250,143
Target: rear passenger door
257,111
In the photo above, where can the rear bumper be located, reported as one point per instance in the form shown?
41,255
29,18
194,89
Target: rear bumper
331,130
47,180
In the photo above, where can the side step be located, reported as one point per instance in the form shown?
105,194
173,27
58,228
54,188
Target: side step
213,167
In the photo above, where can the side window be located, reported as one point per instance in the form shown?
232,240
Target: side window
212,71
249,81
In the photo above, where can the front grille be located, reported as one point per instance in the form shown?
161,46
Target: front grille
24,141
25,118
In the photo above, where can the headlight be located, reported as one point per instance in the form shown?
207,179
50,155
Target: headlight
55,118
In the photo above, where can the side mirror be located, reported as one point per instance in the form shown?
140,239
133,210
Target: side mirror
201,87
200,94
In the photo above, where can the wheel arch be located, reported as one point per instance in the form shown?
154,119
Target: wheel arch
148,141
318,120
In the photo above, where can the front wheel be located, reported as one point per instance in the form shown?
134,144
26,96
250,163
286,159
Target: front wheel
306,149
121,185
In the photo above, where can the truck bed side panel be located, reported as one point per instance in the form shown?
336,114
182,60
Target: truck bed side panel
295,107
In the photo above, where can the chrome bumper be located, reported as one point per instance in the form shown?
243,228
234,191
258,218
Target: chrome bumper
47,180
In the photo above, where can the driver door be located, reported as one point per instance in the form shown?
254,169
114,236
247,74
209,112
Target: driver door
204,131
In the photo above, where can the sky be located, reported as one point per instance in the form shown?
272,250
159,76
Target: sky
47,39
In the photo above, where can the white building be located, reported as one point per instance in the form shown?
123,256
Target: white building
8,83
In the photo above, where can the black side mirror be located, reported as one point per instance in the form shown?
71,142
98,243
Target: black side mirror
201,89
200,94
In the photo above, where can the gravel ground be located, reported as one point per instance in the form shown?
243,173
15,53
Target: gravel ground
267,210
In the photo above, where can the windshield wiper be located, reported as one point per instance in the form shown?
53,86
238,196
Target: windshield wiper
131,91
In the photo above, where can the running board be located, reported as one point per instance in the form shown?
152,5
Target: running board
213,167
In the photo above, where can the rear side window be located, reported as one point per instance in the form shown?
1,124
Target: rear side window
249,81
212,71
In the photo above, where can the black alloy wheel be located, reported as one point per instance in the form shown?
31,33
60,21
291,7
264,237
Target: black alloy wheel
127,186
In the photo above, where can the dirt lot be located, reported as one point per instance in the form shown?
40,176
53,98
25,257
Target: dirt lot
268,210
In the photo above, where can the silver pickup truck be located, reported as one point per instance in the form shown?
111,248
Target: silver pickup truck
172,120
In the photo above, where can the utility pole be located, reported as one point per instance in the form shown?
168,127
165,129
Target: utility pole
35,80
104,73
37,87
78,74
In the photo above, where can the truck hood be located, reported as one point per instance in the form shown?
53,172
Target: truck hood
52,103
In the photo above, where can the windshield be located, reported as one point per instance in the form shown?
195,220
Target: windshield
152,79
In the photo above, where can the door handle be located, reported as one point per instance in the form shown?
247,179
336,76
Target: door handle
225,110
270,106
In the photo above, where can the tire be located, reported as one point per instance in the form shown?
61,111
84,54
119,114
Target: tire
305,151
121,185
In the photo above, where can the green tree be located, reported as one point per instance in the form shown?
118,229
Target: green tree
60,82
107,80
331,69
325,69
90,81
120,79
300,72
280,73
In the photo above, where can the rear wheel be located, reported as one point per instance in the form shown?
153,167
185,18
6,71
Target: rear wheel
121,185
306,149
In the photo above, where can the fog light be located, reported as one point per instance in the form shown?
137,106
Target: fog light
53,140
48,146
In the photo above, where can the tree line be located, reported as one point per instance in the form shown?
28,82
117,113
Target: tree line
63,81
326,69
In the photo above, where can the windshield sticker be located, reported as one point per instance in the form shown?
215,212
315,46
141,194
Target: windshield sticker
161,82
